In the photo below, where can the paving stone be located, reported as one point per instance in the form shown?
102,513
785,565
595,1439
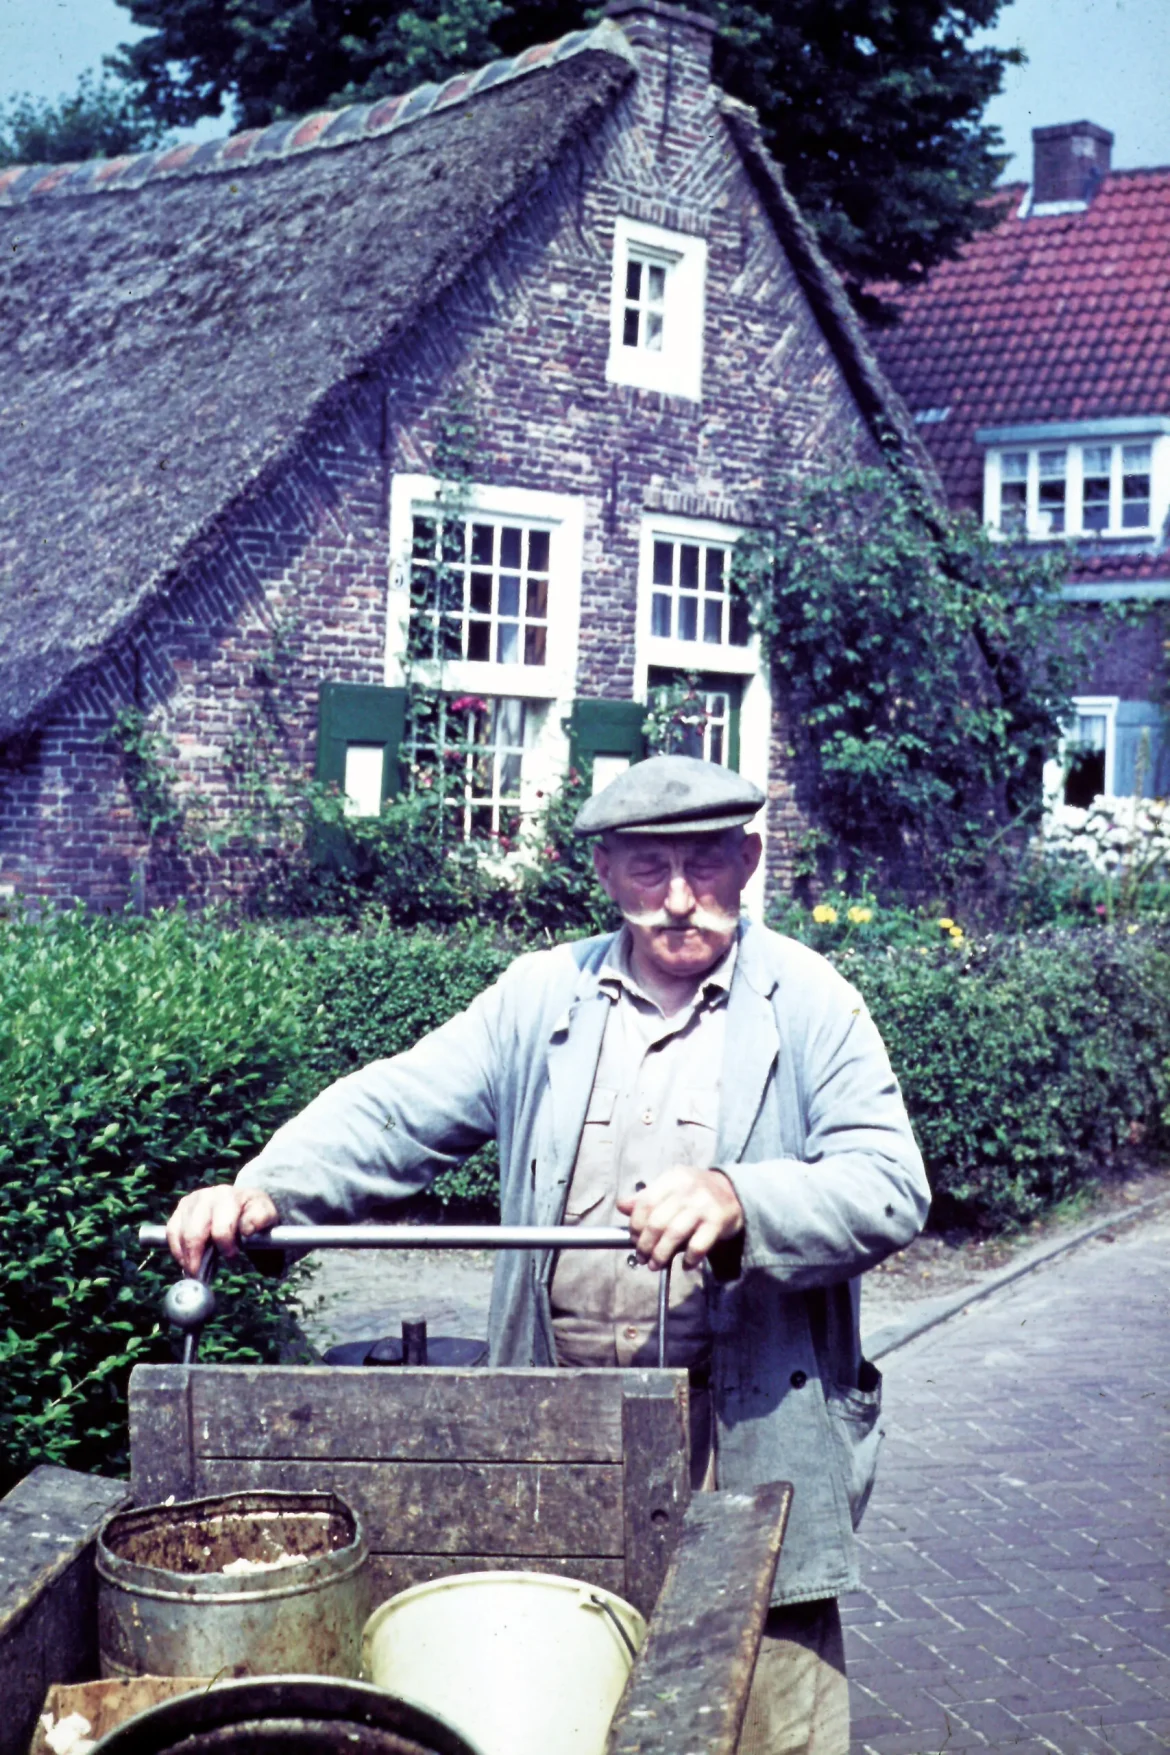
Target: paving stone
1017,1552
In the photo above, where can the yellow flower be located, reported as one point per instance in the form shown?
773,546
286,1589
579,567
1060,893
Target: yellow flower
824,915
859,916
946,923
956,935
1132,928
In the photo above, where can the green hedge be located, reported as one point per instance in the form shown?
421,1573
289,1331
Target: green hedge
1025,1061
135,1062
138,1059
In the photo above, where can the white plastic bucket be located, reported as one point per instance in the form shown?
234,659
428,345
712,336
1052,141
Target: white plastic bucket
523,1663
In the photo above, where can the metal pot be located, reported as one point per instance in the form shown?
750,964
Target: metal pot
294,1715
167,1607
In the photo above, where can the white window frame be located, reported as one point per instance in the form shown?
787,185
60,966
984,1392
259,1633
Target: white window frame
1075,439
563,515
549,688
677,369
652,652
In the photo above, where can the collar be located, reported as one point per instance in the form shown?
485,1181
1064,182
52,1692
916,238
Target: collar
616,973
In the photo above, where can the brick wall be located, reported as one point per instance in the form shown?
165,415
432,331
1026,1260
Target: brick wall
528,332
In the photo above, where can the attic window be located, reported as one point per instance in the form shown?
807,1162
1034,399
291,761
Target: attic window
1092,488
645,301
656,309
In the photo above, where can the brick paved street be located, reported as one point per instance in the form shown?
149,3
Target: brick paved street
1016,1556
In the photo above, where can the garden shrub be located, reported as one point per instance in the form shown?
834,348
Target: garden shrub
136,1060
1025,1061
379,993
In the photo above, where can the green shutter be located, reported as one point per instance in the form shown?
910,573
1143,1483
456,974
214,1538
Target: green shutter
360,713
606,728
1143,741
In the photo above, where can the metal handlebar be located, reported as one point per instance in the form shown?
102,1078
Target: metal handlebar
191,1302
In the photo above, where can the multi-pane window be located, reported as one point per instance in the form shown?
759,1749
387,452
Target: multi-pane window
479,590
1052,474
644,308
695,715
1097,468
1013,492
1078,490
693,598
472,751
1135,486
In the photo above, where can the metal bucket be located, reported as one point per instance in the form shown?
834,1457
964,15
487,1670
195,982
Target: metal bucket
295,1715
292,1602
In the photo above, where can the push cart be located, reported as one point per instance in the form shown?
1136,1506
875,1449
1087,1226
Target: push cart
584,1472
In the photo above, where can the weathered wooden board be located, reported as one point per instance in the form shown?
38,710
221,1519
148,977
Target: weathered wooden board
48,1616
688,1690
656,1481
430,1412
390,1573
453,1508
162,1457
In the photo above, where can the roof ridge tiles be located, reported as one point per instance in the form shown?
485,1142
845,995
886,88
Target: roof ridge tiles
292,137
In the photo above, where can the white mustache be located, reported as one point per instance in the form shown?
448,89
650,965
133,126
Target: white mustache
702,919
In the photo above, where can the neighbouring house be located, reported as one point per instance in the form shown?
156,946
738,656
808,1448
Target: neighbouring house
1037,368
467,391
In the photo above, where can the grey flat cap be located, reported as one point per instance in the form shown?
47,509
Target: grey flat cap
671,795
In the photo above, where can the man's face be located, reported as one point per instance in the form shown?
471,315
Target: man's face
679,893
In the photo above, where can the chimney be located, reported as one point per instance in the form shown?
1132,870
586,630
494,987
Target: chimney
1069,162
672,31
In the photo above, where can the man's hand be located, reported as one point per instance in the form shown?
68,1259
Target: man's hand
220,1215
683,1209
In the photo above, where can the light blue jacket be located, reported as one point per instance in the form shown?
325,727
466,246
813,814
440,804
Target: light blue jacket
812,1132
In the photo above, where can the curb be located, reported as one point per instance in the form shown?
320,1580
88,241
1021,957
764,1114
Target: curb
898,1334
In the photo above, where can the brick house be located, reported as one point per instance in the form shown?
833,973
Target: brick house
229,376
1037,368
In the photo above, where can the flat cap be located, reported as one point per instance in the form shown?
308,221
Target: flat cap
671,795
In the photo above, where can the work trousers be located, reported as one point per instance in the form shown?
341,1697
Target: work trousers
799,1703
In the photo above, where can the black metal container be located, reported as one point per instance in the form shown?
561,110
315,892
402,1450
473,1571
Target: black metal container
286,1715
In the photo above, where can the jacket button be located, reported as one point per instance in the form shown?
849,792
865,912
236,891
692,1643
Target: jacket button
798,1379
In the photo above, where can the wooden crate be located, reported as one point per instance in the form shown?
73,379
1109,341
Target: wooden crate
582,1472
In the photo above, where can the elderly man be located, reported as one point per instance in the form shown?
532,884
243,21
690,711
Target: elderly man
725,1089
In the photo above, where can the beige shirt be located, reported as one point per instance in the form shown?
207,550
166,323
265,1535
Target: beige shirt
654,1105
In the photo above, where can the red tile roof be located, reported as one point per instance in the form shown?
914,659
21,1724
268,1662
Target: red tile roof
1055,317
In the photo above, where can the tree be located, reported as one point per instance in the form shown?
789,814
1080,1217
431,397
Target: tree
873,107
102,119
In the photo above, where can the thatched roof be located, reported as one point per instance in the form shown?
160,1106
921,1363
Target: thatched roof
169,323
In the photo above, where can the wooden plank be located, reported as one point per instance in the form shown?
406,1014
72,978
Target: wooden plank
657,1478
432,1413
688,1691
452,1508
48,1602
391,1573
161,1453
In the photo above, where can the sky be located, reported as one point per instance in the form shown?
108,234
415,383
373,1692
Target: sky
1105,61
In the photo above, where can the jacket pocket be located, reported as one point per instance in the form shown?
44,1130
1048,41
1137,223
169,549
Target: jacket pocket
856,1414
593,1173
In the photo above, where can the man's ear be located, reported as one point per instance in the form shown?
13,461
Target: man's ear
602,867
751,848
